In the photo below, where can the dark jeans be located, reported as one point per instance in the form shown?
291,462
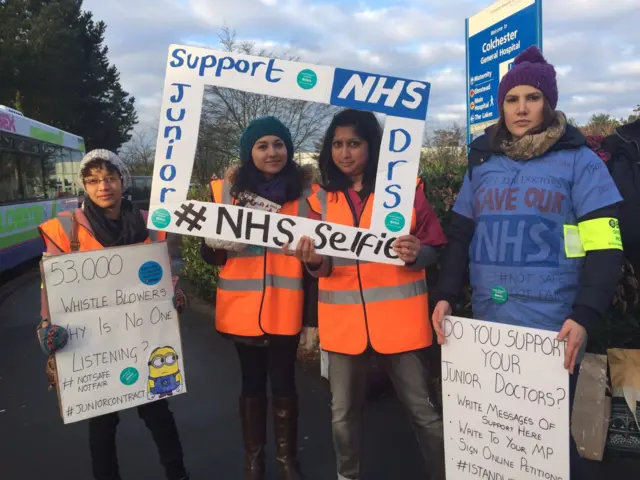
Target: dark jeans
159,420
275,361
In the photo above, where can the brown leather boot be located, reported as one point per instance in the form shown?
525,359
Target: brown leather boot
253,416
285,416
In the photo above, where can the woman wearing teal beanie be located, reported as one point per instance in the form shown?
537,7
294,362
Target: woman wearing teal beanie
260,295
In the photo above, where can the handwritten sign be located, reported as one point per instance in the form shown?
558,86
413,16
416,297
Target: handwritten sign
506,402
124,345
190,69
255,227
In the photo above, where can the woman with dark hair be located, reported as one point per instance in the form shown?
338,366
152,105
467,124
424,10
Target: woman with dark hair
365,307
535,222
367,132
259,301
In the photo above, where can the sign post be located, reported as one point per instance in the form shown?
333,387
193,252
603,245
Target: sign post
506,402
494,38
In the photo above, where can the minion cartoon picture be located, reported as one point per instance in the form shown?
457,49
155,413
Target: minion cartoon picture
164,373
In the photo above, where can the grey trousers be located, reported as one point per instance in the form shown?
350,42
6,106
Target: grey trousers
348,380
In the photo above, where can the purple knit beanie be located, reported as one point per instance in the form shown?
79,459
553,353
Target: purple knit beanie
530,68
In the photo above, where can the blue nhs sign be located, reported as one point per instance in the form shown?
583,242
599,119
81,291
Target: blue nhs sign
389,95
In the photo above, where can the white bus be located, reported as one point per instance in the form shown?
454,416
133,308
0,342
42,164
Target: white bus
38,169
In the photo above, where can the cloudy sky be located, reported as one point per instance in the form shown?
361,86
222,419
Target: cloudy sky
594,44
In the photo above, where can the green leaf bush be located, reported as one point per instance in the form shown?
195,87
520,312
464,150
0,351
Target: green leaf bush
202,277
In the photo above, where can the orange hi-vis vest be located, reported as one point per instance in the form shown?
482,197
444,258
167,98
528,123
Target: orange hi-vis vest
363,303
260,289
59,232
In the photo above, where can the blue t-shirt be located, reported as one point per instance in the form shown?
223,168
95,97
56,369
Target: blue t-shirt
517,252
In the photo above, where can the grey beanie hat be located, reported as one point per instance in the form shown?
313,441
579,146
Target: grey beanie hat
109,157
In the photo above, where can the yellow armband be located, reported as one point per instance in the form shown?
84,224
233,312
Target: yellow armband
590,235
600,234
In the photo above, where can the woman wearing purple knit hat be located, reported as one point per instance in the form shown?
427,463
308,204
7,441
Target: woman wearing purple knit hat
532,194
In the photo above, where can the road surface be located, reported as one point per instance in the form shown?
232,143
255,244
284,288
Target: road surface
35,444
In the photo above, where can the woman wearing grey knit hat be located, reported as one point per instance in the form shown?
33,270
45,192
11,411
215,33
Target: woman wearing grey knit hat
108,220
533,200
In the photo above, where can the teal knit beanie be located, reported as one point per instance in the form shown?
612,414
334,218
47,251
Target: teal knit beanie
261,127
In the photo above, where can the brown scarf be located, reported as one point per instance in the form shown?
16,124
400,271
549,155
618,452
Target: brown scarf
535,145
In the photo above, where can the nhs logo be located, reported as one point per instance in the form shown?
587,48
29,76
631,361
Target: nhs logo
389,95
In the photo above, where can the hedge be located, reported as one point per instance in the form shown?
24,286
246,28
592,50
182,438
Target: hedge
202,276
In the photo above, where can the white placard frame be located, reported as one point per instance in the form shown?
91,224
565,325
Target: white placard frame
191,69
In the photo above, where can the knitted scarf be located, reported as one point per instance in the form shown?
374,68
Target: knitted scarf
130,228
535,145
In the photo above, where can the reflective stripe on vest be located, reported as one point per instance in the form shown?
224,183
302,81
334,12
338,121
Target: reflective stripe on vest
154,235
322,197
67,224
227,199
345,262
254,251
365,304
256,284
372,295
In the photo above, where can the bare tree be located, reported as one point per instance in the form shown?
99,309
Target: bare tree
454,136
139,153
227,112
446,147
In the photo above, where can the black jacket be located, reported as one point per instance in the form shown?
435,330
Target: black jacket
624,148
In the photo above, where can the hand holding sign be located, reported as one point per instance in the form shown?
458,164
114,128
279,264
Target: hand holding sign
305,252
575,335
407,247
443,308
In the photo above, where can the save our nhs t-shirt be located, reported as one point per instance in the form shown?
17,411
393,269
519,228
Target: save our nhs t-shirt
517,253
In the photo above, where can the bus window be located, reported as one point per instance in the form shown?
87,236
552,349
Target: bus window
27,146
9,183
68,177
31,176
6,142
76,159
53,171
50,176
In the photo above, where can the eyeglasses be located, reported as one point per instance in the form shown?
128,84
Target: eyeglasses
160,360
110,180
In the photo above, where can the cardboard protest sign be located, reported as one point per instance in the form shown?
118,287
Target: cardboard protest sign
124,345
190,69
506,402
